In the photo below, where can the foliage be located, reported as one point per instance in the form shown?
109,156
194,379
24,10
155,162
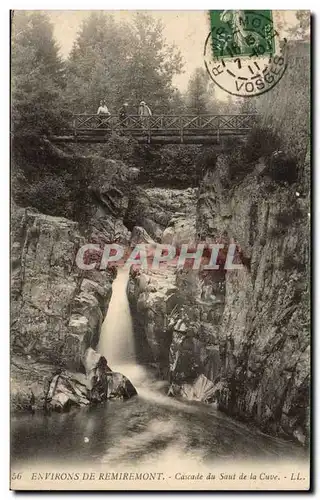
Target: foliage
200,96
108,60
122,148
129,62
120,62
301,30
266,144
291,263
289,217
261,143
286,108
51,181
197,95
37,75
247,106
178,166
283,168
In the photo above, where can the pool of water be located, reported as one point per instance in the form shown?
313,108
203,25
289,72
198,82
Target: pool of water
146,428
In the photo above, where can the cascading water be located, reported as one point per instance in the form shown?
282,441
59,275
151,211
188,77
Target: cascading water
116,342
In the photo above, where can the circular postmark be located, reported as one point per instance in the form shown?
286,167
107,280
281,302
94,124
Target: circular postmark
244,54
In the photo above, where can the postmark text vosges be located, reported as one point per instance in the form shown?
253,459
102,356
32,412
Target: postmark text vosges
243,53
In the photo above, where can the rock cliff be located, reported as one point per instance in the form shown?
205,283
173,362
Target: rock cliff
57,308
264,337
239,337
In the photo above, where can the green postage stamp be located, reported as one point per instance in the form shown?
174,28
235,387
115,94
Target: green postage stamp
239,33
244,53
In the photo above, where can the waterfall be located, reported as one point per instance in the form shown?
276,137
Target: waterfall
116,342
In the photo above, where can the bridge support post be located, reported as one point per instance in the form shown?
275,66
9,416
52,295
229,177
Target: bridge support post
74,130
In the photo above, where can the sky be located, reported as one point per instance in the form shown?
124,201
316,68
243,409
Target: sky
186,29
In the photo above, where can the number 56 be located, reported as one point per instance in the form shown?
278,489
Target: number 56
16,475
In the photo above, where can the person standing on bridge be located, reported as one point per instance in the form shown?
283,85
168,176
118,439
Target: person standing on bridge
144,113
104,113
123,113
103,109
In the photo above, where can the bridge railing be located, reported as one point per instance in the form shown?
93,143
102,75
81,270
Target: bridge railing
165,124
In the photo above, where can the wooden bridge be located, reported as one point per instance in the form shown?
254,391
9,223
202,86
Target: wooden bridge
160,129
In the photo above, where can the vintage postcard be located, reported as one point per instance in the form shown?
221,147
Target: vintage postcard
160,250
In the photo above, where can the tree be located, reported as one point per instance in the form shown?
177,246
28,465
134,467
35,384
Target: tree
197,93
152,63
96,64
248,106
301,31
176,103
120,62
37,73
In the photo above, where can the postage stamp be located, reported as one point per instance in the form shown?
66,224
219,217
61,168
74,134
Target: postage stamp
244,54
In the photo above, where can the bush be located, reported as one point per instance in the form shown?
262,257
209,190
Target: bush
44,177
54,195
261,143
121,148
179,166
288,218
292,263
282,168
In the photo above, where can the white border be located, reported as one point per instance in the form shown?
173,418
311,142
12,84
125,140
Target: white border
4,191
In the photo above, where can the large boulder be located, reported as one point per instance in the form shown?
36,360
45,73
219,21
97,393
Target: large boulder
153,295
98,384
119,386
29,383
111,188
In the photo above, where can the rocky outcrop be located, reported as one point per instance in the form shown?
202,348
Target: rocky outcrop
29,383
264,330
69,389
57,308
42,387
111,190
153,296
154,292
162,211
177,310
238,337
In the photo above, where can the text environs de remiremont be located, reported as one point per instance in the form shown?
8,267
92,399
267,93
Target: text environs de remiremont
158,476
